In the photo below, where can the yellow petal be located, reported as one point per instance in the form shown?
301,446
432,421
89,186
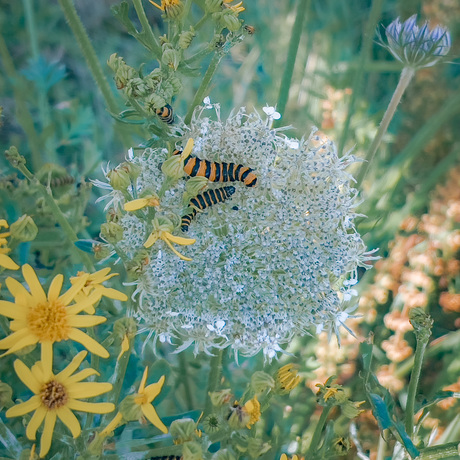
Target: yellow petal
151,414
179,239
11,310
8,263
153,390
88,389
116,421
187,150
94,408
88,342
72,367
151,239
82,375
47,435
3,223
47,359
69,295
114,294
55,287
69,420
19,291
144,380
158,6
24,408
35,422
83,303
124,347
25,341
178,254
135,205
34,284
86,321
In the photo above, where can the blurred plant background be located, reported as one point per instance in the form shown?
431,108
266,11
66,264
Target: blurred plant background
342,82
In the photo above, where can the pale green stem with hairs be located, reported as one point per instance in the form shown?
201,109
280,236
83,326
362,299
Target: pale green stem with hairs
59,216
451,450
203,89
213,379
88,52
366,49
292,55
381,448
404,80
316,438
155,47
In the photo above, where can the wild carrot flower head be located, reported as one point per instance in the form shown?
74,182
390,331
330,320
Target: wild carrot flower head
416,46
55,396
269,261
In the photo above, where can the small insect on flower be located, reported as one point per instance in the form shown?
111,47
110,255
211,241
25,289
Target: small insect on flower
204,200
251,30
218,172
166,114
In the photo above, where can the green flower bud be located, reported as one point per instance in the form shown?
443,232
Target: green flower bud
153,102
240,441
171,58
186,37
135,87
212,424
224,454
213,6
351,409
119,179
125,326
230,20
112,232
167,90
221,398
176,84
13,156
173,167
192,451
114,62
174,11
101,251
261,381
132,169
183,430
24,229
342,446
129,409
421,322
256,447
6,393
193,187
137,265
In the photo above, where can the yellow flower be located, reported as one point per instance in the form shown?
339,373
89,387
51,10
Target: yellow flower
162,230
329,390
6,261
252,407
294,457
93,285
137,405
46,319
287,378
55,396
235,8
172,8
147,201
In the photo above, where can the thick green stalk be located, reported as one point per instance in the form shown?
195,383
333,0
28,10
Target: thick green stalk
315,440
292,55
213,379
202,90
404,80
154,47
365,56
59,216
185,379
451,450
422,342
88,52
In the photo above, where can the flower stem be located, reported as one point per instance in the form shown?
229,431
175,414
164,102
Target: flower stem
185,380
88,51
202,90
404,80
451,450
155,47
422,341
381,448
214,375
312,449
364,58
292,54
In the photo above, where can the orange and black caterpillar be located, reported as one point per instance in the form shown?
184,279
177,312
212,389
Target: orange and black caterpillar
218,172
205,200
166,114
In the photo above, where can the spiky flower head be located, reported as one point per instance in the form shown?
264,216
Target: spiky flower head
269,262
416,46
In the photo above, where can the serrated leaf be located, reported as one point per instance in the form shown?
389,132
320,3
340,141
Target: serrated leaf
43,73
121,12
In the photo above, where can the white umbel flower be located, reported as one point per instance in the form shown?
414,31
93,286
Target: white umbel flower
269,262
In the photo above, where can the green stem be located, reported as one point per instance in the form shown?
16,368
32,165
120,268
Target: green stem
451,450
213,380
292,54
315,440
365,56
185,379
404,80
155,47
200,23
30,23
22,112
413,383
88,52
202,90
381,448
59,216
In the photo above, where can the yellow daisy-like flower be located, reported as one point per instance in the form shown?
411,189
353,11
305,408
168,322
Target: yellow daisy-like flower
252,407
93,285
138,405
287,378
162,230
6,261
55,396
147,201
238,8
46,319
